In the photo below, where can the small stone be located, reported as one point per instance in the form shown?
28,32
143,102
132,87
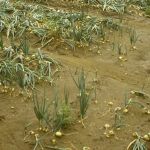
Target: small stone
53,141
111,132
110,103
86,148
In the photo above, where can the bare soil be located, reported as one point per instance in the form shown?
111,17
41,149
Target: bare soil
115,78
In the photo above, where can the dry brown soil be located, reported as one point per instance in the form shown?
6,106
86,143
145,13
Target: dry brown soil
115,79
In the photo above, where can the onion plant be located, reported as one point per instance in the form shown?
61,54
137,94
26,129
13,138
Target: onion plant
62,112
118,119
1,42
133,36
41,108
74,28
6,71
118,6
130,101
137,144
83,95
24,45
45,66
15,67
8,52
